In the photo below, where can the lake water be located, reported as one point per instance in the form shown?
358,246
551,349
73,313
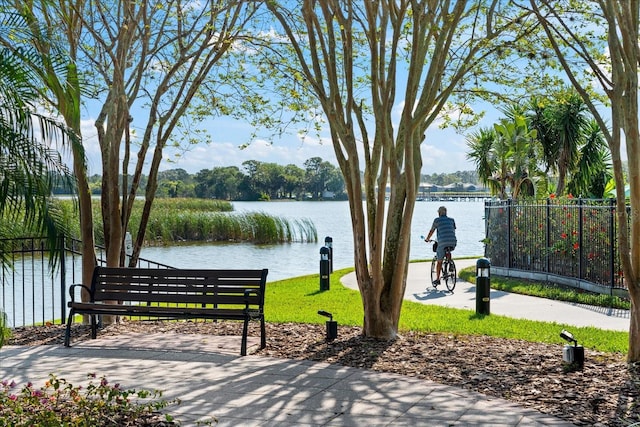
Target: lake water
330,219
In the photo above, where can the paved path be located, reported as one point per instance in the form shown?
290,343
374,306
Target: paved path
504,303
214,382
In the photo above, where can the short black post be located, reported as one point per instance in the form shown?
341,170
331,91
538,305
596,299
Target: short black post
328,242
483,286
324,268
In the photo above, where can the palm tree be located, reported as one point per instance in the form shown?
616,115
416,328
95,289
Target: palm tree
568,119
29,166
593,170
539,118
505,156
519,144
483,152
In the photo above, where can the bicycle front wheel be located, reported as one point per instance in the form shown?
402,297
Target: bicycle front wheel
449,274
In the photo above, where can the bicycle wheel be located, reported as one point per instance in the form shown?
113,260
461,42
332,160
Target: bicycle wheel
449,274
434,273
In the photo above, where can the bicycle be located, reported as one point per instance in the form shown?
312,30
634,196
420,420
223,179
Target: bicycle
448,273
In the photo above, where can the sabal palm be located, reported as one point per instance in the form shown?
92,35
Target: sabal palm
28,165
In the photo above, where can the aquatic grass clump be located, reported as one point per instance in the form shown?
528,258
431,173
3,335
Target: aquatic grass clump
204,220
264,228
189,204
308,230
167,227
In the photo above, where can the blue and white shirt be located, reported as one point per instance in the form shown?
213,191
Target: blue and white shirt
446,228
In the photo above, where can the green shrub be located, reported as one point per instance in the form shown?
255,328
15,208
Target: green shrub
59,403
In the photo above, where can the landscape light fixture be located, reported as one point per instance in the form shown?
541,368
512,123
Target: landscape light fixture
325,314
332,325
572,355
568,336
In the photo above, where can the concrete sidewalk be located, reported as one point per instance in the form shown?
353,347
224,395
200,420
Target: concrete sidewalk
213,382
419,289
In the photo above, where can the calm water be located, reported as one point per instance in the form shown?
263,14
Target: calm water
330,219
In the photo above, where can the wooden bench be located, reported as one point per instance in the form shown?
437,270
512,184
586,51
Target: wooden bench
173,294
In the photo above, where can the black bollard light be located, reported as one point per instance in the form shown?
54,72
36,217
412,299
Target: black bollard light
483,286
572,355
332,325
324,268
328,242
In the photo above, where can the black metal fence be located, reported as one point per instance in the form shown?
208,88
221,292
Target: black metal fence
565,238
32,292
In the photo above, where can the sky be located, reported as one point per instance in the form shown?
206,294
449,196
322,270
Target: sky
443,151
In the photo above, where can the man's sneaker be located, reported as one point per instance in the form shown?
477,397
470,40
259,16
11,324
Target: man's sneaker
436,283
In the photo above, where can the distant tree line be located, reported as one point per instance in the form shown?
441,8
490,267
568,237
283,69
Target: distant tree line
257,180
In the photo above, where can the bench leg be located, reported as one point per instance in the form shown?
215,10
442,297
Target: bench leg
245,331
67,333
94,327
263,333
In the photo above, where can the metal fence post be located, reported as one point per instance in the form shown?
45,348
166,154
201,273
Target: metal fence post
63,279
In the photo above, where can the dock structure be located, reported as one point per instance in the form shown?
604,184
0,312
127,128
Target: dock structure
464,196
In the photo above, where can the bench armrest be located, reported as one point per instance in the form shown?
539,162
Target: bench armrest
72,289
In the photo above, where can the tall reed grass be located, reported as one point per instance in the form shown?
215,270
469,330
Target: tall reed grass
201,220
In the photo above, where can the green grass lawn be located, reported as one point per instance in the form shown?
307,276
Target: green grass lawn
299,299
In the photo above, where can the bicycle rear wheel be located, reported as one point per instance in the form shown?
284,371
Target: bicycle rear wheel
449,274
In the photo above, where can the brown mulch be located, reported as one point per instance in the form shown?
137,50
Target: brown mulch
604,393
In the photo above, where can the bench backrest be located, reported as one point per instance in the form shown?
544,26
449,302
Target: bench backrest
150,285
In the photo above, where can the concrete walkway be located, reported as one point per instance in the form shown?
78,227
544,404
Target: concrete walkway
213,382
419,289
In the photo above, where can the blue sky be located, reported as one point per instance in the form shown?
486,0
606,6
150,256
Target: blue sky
444,150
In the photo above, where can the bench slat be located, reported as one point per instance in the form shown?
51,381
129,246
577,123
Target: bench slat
156,297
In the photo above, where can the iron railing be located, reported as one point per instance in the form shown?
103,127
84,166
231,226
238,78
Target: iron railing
34,290
560,238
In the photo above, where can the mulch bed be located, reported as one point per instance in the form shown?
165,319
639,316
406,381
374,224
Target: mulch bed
604,393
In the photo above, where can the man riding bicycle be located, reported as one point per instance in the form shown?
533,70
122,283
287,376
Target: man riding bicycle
446,228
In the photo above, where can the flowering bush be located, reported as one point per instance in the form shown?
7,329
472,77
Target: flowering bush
59,403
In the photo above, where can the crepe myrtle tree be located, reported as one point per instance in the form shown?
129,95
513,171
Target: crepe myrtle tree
382,72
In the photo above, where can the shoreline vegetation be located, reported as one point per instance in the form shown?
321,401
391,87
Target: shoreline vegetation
182,220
